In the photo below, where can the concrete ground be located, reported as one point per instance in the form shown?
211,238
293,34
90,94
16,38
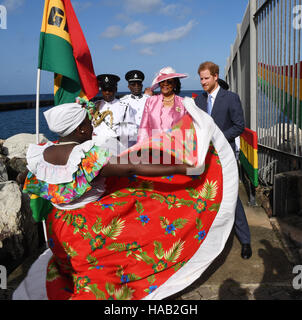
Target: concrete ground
267,275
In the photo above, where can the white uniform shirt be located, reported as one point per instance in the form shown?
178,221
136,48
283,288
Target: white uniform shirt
123,121
137,104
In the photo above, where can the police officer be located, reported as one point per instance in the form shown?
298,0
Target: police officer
136,99
114,119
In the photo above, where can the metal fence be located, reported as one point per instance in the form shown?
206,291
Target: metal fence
265,69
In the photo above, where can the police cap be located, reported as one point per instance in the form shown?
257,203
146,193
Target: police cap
107,81
223,84
134,75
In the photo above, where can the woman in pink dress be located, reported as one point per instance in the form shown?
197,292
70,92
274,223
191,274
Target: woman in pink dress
164,110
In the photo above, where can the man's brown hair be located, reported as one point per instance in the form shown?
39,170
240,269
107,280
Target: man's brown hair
208,65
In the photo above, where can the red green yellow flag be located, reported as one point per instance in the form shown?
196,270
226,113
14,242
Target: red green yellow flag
64,51
248,154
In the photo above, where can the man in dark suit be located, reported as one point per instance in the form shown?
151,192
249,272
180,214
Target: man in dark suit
226,110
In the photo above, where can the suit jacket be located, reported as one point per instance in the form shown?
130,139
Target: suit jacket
153,116
227,113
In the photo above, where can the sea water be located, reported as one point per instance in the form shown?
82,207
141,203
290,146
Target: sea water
24,120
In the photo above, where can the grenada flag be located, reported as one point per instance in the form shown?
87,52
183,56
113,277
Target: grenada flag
64,51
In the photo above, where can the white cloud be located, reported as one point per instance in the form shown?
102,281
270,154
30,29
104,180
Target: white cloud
134,28
147,51
142,6
81,5
131,29
175,10
112,32
12,4
156,6
169,9
172,35
123,17
117,47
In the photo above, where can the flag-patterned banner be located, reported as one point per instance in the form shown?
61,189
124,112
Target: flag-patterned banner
278,82
248,155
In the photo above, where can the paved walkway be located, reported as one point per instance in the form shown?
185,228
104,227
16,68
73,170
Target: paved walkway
267,275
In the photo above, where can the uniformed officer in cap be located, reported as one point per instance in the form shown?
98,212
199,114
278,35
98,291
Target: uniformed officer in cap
113,117
136,99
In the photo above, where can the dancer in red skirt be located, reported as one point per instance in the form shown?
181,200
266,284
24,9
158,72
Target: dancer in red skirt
143,225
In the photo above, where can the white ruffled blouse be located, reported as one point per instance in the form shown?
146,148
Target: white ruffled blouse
71,185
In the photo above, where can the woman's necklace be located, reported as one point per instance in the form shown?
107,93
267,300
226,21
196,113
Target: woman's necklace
67,142
169,99
168,103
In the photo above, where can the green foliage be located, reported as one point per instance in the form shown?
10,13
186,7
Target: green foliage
199,224
97,227
214,207
99,294
139,207
158,250
209,190
114,229
174,252
117,247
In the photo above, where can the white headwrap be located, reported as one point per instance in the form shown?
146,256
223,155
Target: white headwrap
65,118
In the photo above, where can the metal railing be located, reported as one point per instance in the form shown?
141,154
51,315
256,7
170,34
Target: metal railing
265,69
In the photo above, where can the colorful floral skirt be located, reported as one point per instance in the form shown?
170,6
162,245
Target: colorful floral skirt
143,231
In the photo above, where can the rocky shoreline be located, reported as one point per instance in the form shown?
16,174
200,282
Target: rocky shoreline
20,236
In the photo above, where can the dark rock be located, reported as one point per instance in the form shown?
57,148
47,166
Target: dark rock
3,171
15,166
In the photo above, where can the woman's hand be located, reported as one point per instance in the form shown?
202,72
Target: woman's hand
148,91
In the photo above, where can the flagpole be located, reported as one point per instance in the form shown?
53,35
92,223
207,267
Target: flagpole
38,105
37,134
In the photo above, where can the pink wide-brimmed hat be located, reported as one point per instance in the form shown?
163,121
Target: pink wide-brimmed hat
165,74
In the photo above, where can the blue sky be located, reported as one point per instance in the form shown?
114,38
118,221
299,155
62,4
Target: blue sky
124,35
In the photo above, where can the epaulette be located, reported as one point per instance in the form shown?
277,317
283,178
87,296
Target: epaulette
124,97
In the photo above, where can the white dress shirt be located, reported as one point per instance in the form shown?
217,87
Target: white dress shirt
137,105
123,124
214,95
